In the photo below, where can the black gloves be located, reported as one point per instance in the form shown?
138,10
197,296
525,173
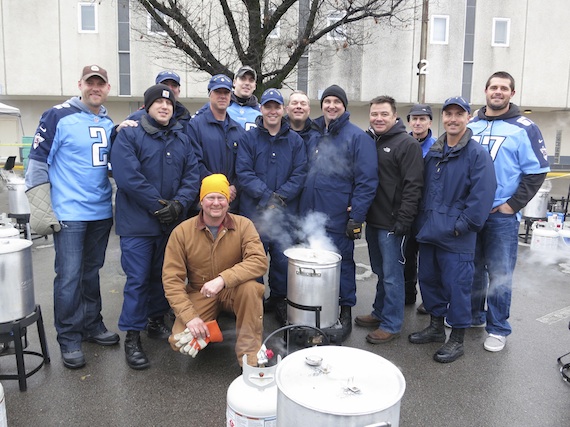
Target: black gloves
401,229
169,213
353,229
276,201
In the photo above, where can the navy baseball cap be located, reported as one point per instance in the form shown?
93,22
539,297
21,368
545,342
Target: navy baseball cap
457,100
220,81
271,95
167,75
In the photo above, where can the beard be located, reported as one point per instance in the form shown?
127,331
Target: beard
497,107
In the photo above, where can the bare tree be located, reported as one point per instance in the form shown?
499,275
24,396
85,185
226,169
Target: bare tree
271,36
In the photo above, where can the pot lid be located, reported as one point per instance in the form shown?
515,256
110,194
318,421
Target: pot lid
348,381
9,232
315,256
13,245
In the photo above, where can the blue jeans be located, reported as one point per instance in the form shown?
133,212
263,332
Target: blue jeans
143,295
386,251
445,281
79,255
495,259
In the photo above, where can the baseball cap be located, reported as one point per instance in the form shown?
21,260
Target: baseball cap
246,69
420,110
94,70
220,81
271,95
167,75
457,100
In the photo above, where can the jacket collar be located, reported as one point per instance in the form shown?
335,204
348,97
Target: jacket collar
398,128
438,145
282,130
153,128
334,126
249,102
228,222
514,111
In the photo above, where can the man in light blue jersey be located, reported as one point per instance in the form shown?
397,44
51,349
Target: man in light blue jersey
521,164
70,150
244,107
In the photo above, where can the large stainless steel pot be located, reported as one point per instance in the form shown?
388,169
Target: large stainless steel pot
313,280
17,199
338,386
8,231
16,279
538,205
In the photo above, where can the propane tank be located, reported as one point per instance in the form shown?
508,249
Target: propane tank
3,420
252,397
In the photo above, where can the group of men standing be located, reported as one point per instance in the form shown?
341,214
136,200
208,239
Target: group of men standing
272,164
477,176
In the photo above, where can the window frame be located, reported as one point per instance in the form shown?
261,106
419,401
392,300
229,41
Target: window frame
432,28
149,22
81,7
340,33
276,33
507,42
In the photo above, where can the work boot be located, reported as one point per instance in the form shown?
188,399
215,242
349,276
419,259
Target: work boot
421,309
157,329
452,349
136,358
346,320
435,332
270,303
281,311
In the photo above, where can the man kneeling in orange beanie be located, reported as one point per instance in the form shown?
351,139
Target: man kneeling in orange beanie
211,264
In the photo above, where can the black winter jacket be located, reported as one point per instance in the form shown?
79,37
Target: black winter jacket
400,183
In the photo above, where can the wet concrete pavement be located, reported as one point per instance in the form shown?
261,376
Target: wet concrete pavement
519,386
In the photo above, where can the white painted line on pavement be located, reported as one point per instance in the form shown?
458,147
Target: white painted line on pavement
555,316
365,274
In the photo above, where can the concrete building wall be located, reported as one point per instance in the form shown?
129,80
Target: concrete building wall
42,53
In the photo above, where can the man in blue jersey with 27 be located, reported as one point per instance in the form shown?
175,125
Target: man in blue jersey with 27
71,151
521,164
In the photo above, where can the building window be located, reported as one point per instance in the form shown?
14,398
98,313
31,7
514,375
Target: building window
276,33
124,18
439,29
340,32
87,17
501,32
154,27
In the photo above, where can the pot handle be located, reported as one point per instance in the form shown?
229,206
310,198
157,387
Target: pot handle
311,272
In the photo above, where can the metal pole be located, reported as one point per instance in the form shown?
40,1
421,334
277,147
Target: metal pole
422,65
303,64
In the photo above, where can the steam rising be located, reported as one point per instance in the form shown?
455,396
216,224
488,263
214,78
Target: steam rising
308,231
